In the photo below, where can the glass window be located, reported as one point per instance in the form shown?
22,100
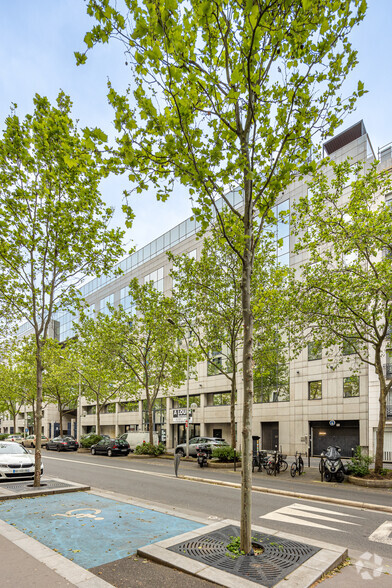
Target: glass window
103,306
283,219
315,390
351,386
315,351
347,348
221,399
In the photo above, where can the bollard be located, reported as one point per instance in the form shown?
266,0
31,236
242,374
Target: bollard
235,460
177,459
322,468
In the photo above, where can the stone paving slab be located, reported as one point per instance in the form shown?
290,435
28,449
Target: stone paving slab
327,558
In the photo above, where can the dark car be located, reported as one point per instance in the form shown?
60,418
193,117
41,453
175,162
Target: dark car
110,447
63,444
212,442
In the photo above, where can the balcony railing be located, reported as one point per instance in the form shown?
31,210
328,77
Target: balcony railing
389,411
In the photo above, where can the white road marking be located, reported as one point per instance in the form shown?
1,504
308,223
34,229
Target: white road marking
293,513
101,465
383,534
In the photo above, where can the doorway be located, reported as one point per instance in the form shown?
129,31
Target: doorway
270,436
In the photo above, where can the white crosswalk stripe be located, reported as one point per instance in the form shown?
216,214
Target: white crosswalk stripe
297,514
383,534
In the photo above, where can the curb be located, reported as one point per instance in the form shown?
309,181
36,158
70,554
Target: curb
298,495
328,557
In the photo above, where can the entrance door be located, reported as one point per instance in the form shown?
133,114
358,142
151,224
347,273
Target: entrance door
270,436
194,431
345,434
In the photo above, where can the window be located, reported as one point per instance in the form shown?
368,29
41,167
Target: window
315,390
347,348
315,351
180,401
129,407
221,399
351,387
273,385
103,306
214,364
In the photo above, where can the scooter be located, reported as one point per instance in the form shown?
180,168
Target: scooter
333,465
203,455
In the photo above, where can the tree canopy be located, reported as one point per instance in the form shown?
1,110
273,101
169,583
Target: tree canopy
344,290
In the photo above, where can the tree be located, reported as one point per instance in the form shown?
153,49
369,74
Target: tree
92,357
53,221
229,95
147,345
344,291
208,293
60,381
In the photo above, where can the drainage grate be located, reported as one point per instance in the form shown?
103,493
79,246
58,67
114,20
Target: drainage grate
27,486
279,558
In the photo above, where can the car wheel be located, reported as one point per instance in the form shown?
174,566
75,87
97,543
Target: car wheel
47,447
181,452
110,453
93,451
32,445
127,453
58,448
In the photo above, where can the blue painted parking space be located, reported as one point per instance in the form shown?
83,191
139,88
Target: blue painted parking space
89,529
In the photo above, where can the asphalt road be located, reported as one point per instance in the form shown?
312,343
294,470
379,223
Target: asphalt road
154,482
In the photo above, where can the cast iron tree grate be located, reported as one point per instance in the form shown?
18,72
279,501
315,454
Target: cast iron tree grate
280,556
26,486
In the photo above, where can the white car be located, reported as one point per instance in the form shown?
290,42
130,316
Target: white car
15,461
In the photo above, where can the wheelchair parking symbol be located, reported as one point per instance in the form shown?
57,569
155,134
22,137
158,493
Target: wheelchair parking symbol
81,513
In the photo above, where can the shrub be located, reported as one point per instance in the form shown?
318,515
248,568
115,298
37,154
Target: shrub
150,449
90,440
3,436
225,454
359,464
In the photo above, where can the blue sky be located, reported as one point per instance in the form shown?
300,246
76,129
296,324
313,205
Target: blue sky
38,38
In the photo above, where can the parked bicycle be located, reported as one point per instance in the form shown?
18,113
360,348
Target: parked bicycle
277,463
259,461
297,466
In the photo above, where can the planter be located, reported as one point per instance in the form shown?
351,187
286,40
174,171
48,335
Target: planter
369,483
227,466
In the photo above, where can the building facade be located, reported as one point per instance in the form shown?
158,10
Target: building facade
317,408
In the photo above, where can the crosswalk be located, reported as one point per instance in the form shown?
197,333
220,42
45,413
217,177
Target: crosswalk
312,516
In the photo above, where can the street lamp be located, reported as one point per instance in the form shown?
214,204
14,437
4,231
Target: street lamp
170,320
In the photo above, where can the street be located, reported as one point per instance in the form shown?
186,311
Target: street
154,481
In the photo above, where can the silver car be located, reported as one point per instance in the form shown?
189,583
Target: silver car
16,461
195,441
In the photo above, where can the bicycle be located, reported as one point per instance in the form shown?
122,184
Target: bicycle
297,466
259,461
276,464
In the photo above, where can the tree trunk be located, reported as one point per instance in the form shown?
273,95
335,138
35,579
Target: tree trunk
98,431
38,418
379,457
150,424
246,484
382,401
232,407
61,418
14,423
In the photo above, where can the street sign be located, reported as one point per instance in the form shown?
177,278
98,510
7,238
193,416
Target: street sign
332,423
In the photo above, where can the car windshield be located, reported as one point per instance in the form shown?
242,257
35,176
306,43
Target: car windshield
11,448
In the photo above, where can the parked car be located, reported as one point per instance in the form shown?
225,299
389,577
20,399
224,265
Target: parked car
16,461
110,447
15,438
211,442
63,444
135,438
30,441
